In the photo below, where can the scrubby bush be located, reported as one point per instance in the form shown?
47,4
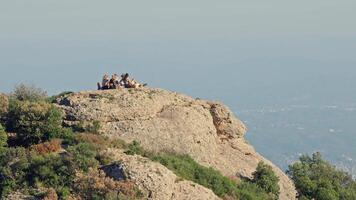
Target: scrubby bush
251,191
134,148
24,169
51,170
4,104
24,92
97,141
84,156
13,167
66,134
265,178
59,171
118,144
316,178
105,158
96,185
36,125
3,138
34,122
88,127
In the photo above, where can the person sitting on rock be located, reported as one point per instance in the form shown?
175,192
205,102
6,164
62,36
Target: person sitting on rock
114,82
134,84
130,83
124,80
105,85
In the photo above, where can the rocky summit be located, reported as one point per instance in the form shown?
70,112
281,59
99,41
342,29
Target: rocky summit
164,121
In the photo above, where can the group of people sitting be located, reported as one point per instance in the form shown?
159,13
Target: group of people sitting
116,83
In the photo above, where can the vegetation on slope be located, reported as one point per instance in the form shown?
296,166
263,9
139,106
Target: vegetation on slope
185,167
42,158
316,178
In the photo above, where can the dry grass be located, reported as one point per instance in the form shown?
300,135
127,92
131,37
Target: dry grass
53,146
100,142
96,182
51,194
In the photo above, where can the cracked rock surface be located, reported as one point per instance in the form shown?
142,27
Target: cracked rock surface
157,182
166,121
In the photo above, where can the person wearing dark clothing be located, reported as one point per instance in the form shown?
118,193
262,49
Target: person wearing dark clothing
105,84
114,82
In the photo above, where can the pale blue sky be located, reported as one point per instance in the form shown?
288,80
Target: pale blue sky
213,49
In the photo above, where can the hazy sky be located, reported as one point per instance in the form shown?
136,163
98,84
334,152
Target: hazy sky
214,49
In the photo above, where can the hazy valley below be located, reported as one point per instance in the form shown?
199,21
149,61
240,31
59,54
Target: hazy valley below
282,134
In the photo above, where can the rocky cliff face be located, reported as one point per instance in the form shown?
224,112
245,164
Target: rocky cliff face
165,121
157,182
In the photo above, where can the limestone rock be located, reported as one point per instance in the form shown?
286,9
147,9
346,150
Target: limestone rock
166,121
157,182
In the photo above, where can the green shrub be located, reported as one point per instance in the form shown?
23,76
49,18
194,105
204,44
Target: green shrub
315,178
51,170
3,138
34,122
63,133
265,178
89,127
118,143
251,191
13,167
31,93
4,105
59,171
84,156
104,159
135,149
21,169
94,127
